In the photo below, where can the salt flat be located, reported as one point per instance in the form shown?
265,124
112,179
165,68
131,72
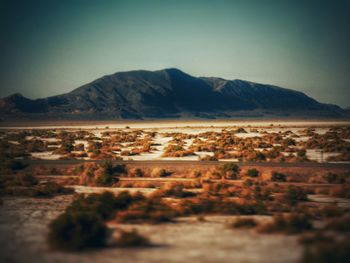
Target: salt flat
154,124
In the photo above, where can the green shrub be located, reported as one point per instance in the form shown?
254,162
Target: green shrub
278,177
67,146
253,172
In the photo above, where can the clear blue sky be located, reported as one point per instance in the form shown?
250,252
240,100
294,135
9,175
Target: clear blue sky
51,47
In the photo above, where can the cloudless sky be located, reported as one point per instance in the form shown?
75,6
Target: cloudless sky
51,47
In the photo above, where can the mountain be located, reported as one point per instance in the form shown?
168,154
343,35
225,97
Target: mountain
168,93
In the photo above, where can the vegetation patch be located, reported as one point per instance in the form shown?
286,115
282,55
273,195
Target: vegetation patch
243,223
289,224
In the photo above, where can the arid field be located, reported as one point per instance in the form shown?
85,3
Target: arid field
260,191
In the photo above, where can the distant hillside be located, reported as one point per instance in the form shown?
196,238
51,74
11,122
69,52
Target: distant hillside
168,93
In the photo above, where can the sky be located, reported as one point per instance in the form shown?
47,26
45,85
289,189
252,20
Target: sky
54,46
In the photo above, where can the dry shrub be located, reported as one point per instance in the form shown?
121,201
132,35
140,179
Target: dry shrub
28,185
243,222
77,231
341,224
172,190
322,191
209,158
87,173
151,210
195,174
45,170
213,174
216,189
322,248
70,181
219,206
135,172
253,173
143,185
319,213
330,211
125,184
159,172
288,224
105,174
131,239
278,177
342,191
316,179
193,184
333,178
294,194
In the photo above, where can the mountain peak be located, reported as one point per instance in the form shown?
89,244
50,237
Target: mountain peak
14,96
174,70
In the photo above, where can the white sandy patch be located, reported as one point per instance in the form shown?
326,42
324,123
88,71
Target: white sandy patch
188,143
289,153
321,131
46,155
202,154
91,189
341,202
14,142
301,138
50,139
229,160
248,134
184,158
318,155
86,143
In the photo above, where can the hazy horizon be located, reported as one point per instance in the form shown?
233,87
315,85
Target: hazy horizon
52,47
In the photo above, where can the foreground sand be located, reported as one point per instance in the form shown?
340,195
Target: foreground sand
23,230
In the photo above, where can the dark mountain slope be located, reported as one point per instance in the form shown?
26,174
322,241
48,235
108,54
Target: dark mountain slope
165,94
264,96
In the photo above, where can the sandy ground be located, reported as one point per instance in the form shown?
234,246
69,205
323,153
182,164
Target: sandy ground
23,231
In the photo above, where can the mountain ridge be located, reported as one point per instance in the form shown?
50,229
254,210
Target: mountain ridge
167,93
